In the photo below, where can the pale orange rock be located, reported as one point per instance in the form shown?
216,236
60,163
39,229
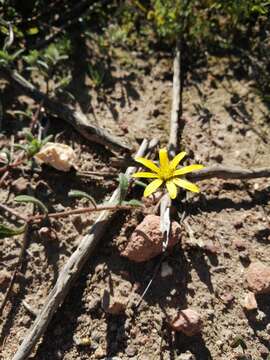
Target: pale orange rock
187,321
258,278
146,240
250,302
60,156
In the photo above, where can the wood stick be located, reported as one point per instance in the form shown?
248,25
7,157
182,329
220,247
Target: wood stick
66,213
224,172
176,112
75,118
69,273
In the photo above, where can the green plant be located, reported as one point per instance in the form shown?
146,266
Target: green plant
97,75
33,145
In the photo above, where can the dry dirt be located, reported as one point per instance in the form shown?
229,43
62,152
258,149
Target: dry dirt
225,122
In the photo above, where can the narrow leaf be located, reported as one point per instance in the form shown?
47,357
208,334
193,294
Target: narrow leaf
6,231
33,200
81,194
123,184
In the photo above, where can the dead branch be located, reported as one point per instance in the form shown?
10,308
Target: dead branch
69,273
74,117
99,208
224,172
176,111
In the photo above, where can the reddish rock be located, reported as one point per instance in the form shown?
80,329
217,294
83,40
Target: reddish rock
240,244
187,321
212,248
4,278
227,298
258,278
146,240
250,302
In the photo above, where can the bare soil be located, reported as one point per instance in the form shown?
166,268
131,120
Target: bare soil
225,122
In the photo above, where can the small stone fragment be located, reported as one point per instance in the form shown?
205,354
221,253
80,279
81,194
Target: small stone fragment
131,351
211,247
258,278
60,156
227,298
166,270
187,321
4,279
20,185
99,353
240,244
186,356
250,302
146,240
47,234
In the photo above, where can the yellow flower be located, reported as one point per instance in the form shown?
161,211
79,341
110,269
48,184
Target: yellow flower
168,173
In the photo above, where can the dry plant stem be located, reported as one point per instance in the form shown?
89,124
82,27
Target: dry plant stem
176,111
18,267
224,172
13,212
10,166
69,273
74,117
81,211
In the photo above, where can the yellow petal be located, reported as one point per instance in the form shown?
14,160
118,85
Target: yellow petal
143,174
187,169
172,190
186,185
148,163
152,187
163,158
176,160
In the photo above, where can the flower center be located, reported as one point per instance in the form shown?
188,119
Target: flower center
166,173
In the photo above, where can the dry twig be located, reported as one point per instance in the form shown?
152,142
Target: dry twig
224,172
74,117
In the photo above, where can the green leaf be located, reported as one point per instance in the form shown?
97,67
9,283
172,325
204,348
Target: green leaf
81,194
6,231
140,183
33,200
46,139
29,136
123,184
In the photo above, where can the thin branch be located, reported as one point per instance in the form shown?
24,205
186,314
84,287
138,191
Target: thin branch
17,268
75,118
63,214
69,273
224,172
176,111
